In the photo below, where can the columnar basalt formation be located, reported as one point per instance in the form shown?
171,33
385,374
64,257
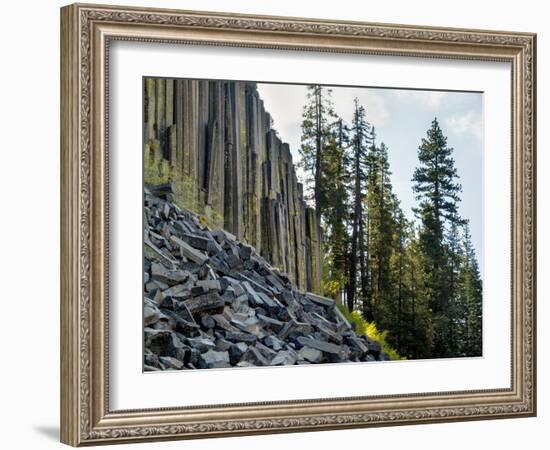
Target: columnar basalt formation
219,136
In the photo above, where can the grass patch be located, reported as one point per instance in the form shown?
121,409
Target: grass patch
369,329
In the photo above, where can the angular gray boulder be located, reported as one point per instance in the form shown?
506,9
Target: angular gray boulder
211,301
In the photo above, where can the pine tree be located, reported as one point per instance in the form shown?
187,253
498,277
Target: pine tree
438,192
416,342
318,119
380,206
397,269
471,286
336,215
360,140
455,309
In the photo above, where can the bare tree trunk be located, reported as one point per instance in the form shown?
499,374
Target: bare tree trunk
318,153
399,294
357,217
367,307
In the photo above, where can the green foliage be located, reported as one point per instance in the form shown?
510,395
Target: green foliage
470,292
323,159
434,180
318,119
333,280
362,136
438,191
369,329
157,170
336,217
419,282
382,240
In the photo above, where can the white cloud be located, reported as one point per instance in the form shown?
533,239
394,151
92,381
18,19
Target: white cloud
464,124
285,104
374,103
432,100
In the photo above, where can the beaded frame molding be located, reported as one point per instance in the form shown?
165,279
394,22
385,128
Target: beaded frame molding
86,32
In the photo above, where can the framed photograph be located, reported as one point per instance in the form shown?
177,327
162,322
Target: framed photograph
278,224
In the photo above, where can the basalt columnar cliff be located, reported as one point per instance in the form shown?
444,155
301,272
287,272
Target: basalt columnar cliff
218,136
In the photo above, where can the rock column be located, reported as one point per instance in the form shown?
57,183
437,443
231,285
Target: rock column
218,135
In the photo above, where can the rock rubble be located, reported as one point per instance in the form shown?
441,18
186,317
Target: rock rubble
213,302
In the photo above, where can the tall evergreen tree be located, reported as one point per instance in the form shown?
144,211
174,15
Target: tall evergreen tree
336,215
361,138
471,285
415,343
318,120
397,290
381,225
455,309
438,191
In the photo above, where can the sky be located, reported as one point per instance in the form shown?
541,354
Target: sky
401,118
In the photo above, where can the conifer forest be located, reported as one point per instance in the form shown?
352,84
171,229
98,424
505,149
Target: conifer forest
417,279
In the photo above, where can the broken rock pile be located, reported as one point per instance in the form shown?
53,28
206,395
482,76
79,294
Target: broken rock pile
211,302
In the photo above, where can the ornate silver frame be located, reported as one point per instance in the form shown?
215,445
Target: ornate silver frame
86,31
